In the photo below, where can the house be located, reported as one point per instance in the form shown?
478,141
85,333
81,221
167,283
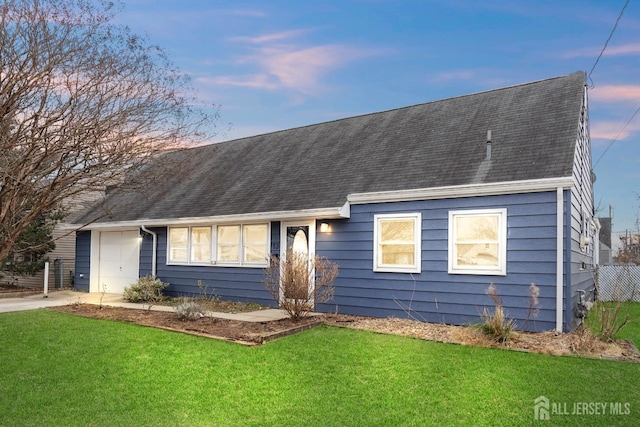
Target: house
61,259
421,207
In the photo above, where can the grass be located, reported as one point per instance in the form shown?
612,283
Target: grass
631,331
59,369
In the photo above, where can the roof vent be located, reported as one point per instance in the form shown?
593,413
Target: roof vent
489,144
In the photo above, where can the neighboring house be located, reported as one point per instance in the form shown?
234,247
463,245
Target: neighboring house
606,256
61,263
418,209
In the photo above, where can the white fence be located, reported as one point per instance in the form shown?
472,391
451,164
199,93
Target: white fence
618,283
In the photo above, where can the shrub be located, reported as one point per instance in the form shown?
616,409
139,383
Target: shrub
613,315
147,289
496,325
297,283
189,310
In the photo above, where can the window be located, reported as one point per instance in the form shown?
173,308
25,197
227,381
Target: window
178,244
190,245
478,242
397,241
229,243
254,243
246,244
200,244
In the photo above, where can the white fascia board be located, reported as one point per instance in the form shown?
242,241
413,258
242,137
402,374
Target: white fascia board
322,213
455,191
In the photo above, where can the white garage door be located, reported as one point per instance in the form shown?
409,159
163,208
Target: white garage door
119,260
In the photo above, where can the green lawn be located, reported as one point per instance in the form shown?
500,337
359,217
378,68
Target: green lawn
631,331
59,369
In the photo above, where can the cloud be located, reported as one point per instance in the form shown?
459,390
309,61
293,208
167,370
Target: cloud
280,63
615,93
610,130
624,50
454,76
284,35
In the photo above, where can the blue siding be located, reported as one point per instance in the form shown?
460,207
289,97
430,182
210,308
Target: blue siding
146,252
83,261
434,295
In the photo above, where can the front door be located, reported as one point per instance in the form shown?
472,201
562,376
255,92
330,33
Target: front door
297,239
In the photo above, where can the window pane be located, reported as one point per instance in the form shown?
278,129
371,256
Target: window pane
229,234
228,253
397,230
477,228
485,254
255,233
201,244
397,254
229,243
201,235
178,238
255,242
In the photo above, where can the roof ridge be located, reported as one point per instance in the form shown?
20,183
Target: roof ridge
372,113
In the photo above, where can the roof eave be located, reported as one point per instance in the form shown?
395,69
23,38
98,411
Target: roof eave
469,190
320,213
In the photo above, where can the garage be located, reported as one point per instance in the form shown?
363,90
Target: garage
119,260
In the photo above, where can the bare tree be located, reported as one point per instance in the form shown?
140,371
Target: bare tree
83,101
298,282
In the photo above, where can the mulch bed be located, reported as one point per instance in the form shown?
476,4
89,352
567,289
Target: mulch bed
579,343
250,333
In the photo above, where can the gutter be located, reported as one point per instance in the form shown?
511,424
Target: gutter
559,257
155,247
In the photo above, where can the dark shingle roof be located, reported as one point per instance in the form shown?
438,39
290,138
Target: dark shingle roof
534,129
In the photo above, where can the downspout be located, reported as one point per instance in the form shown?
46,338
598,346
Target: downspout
155,247
559,257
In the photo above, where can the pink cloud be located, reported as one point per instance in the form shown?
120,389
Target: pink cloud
612,93
609,130
281,65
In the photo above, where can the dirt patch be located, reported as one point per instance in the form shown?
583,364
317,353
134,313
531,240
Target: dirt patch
231,330
580,343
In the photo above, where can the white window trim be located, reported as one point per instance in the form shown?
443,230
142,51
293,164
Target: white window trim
188,261
417,245
214,247
240,262
501,269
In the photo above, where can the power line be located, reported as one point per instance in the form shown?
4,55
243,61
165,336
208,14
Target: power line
617,136
607,42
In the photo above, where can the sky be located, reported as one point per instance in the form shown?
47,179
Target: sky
279,64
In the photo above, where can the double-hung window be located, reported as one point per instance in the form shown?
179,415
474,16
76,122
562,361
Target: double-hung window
189,245
397,242
245,244
478,242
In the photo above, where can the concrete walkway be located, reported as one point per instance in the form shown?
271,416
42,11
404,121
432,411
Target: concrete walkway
64,297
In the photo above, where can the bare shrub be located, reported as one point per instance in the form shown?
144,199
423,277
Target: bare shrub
615,314
534,310
298,282
188,309
496,325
